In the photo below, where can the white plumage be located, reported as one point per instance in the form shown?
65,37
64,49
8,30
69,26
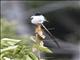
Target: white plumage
38,19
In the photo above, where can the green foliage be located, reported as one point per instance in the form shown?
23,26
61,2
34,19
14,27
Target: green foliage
7,29
16,50
42,48
14,47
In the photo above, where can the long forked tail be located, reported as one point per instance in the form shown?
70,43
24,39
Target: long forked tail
51,35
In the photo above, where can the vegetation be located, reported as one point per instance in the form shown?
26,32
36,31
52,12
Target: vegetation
14,47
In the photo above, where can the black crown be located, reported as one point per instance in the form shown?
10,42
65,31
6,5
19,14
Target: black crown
36,14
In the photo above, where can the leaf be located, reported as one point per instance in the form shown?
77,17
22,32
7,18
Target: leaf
7,58
8,42
33,56
8,48
42,48
28,58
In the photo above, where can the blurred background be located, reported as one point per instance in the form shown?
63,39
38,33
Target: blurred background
64,24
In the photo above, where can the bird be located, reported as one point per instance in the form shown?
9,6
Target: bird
38,19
